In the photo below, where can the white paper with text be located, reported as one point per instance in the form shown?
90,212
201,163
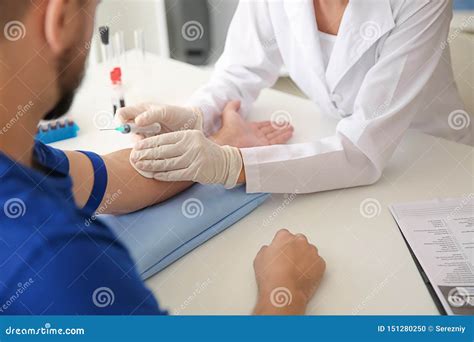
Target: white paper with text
441,235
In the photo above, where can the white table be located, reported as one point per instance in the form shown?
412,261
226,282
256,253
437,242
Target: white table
370,270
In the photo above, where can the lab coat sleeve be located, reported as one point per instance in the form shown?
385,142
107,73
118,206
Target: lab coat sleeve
384,108
251,62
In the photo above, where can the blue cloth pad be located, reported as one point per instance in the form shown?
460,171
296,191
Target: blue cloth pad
158,236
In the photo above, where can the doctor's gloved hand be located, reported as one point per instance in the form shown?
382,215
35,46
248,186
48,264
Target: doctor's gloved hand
171,118
187,156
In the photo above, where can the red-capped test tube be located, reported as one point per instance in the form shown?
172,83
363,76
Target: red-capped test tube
118,98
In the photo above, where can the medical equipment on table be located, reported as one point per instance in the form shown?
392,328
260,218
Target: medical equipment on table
118,98
119,46
139,38
57,131
113,54
104,32
154,129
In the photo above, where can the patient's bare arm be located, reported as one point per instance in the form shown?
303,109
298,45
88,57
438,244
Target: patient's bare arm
127,191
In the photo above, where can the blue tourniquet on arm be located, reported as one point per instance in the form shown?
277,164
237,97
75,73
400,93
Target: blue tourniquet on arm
100,182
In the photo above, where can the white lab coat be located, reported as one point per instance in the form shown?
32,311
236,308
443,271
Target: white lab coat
390,70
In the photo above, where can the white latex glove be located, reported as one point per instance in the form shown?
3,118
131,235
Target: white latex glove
187,156
170,118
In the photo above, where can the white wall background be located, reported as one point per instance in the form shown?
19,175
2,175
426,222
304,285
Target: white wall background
149,15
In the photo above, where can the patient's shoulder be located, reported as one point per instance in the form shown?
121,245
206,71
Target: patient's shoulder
86,272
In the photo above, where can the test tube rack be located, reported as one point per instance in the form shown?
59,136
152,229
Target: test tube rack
57,131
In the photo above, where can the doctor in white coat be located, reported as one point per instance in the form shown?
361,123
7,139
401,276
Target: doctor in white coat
379,66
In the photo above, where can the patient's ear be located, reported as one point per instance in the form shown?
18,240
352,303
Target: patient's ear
60,25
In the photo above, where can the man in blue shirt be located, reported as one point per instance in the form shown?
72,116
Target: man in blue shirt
55,259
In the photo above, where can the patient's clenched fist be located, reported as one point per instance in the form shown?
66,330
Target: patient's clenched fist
288,273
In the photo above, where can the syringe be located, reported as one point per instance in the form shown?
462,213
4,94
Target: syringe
154,129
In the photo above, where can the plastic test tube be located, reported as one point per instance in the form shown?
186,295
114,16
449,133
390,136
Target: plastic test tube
140,42
104,33
119,46
118,98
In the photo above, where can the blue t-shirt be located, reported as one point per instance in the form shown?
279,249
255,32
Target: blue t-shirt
56,259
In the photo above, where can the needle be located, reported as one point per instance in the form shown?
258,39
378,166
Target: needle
154,129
